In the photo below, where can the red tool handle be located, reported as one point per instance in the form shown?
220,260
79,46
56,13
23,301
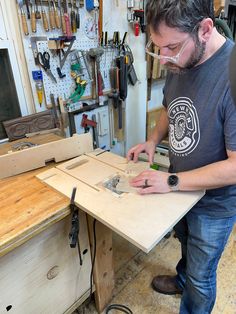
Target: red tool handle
136,28
68,28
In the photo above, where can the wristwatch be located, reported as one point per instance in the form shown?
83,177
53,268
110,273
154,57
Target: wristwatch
173,182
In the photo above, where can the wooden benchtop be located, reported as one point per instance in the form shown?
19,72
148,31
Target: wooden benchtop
27,206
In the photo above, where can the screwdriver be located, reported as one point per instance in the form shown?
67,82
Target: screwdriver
39,89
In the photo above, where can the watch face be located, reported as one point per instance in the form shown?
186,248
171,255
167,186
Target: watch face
173,180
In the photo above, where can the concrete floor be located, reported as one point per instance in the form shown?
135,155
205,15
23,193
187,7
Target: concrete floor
134,271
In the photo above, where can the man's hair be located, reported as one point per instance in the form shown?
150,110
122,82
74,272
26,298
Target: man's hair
182,14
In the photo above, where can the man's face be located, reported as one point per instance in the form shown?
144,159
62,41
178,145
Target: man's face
187,47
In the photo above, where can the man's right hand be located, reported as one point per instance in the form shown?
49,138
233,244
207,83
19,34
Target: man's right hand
148,147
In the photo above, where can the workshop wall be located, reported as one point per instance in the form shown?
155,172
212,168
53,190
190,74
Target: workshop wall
114,19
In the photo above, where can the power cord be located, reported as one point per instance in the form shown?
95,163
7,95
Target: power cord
120,307
94,255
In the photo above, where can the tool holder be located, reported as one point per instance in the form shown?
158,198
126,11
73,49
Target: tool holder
65,85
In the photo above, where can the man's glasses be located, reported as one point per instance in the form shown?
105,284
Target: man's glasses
172,59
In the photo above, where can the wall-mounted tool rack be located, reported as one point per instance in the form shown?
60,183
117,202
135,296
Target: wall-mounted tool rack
86,37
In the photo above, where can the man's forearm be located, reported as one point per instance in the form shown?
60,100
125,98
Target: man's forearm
212,176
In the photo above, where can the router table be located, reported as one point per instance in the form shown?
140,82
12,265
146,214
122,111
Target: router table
35,222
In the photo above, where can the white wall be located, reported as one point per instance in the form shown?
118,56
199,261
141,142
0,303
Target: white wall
115,19
156,95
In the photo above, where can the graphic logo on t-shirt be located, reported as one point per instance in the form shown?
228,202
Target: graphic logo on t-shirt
184,131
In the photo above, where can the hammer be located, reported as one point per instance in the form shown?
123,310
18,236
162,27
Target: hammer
97,85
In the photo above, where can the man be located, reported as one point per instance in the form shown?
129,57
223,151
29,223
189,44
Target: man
200,116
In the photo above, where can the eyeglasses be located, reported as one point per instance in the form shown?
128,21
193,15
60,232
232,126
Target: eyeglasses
173,59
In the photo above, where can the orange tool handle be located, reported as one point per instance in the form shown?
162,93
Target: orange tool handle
52,19
57,19
33,21
24,23
45,21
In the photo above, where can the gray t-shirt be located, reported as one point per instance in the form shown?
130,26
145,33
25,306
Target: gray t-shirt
202,124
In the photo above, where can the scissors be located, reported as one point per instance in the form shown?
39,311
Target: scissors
44,61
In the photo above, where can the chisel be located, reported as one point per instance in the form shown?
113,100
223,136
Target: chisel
73,19
27,8
33,19
67,19
37,13
23,18
57,19
51,15
77,15
44,17
63,23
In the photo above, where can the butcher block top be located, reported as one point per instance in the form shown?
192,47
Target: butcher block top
27,205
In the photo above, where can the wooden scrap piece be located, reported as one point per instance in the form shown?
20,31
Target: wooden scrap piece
17,128
37,156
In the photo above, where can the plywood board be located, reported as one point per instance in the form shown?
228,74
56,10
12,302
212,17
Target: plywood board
88,170
37,156
142,220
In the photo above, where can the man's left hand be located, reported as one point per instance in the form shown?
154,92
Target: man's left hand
151,181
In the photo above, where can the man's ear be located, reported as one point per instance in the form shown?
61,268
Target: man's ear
205,29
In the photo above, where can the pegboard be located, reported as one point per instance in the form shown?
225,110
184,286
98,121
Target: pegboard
66,86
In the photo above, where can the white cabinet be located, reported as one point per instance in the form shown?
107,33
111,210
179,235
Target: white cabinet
44,274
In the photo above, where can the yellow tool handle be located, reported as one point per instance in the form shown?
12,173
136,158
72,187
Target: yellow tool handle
45,21
63,25
57,19
24,23
52,19
33,22
40,97
39,89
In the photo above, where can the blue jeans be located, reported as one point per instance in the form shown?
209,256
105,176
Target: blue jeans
203,239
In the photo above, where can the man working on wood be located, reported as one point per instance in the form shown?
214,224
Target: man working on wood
200,116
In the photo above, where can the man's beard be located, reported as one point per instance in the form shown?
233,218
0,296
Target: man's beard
194,59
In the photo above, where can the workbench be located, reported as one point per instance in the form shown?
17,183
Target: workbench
36,259
39,272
